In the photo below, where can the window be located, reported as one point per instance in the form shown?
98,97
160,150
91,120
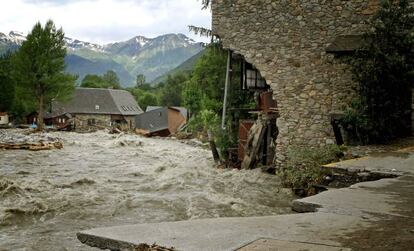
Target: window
251,77
63,120
91,122
96,107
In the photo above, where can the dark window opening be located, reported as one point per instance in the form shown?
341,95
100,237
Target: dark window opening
91,122
251,77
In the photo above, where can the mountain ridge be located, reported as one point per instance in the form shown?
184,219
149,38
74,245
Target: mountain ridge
152,57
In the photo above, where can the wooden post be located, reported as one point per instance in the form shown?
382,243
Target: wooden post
213,147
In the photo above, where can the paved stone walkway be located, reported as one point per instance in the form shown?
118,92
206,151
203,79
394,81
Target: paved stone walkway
332,220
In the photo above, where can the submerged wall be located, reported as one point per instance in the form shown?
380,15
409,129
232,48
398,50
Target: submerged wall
286,41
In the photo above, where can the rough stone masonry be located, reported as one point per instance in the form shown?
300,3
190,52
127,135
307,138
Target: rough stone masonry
286,40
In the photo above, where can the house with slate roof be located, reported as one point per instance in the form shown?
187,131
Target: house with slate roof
161,121
97,108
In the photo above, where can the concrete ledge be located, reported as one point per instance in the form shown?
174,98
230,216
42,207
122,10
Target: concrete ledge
386,164
225,233
381,197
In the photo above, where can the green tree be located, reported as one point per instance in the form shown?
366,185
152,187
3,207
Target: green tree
141,80
93,81
192,96
384,69
205,90
39,67
111,79
108,80
171,93
7,85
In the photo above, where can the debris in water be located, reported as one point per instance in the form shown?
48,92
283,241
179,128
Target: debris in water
20,139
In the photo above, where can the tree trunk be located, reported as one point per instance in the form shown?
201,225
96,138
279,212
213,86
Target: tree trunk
213,147
40,124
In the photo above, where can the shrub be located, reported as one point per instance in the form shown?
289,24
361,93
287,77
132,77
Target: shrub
303,169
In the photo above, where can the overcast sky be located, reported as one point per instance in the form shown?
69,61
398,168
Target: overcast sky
104,21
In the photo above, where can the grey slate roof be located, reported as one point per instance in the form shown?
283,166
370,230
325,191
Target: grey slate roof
182,110
99,101
154,120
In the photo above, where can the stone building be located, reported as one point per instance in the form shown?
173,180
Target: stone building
287,42
93,108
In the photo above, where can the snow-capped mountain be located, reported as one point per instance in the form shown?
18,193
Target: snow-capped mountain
14,37
139,55
74,44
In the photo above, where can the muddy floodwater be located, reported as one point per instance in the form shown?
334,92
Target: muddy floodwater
99,179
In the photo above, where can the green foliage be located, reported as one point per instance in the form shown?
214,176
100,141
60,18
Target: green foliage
93,81
144,98
39,67
108,80
7,85
205,120
208,77
171,93
203,95
13,98
357,124
140,80
303,169
192,96
111,79
384,69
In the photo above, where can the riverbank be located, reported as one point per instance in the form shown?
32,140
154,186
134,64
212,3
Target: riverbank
375,215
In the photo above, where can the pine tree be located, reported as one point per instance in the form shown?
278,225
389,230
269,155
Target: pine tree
39,67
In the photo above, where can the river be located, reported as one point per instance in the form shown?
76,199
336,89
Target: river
99,179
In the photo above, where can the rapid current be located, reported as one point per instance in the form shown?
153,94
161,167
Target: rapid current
99,179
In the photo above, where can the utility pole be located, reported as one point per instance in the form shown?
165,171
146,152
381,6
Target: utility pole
226,89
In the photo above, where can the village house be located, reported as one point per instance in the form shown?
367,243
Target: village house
294,49
182,110
58,120
161,121
96,108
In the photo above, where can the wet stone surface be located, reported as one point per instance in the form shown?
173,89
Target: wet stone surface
99,180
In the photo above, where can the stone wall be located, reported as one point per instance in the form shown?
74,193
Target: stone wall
286,40
101,121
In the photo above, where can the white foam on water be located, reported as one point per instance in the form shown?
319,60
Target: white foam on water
99,179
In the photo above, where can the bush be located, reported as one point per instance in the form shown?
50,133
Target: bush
357,125
209,120
303,169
